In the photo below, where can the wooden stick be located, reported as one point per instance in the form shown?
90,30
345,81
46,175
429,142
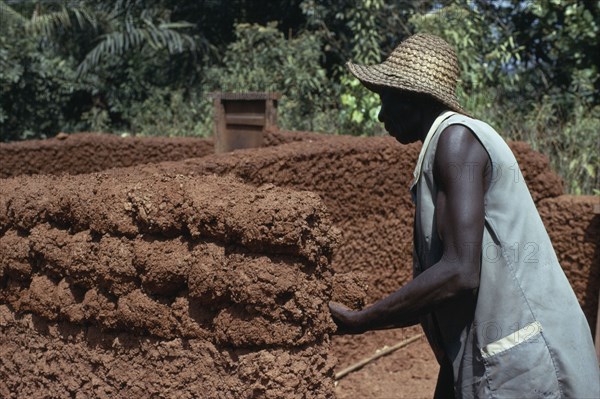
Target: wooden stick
386,350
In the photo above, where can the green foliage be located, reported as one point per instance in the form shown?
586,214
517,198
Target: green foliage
359,109
54,21
358,26
262,59
363,22
86,66
9,17
124,36
482,56
561,37
571,143
35,90
168,112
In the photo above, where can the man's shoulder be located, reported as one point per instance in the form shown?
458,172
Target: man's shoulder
458,144
477,126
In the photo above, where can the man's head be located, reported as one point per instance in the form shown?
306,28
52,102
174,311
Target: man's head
407,116
419,77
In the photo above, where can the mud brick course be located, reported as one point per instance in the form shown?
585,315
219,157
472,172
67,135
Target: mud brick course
362,181
163,286
364,185
93,152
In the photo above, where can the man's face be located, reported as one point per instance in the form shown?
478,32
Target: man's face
400,113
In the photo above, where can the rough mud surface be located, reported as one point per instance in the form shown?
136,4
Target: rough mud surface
161,287
93,152
574,229
541,180
363,182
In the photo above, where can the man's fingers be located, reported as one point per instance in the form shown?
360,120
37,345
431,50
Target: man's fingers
337,307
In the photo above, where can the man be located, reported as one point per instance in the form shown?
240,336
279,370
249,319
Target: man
488,290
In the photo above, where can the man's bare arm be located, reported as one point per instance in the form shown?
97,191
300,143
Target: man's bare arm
460,173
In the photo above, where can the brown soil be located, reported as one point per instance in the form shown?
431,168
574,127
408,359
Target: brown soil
110,250
574,229
93,152
163,287
410,372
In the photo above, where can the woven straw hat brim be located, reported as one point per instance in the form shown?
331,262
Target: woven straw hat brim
375,77
423,63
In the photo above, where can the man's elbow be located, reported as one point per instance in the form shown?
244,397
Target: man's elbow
467,278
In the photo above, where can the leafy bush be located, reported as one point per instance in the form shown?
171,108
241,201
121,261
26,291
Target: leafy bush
168,112
99,68
35,90
359,109
571,143
359,106
262,59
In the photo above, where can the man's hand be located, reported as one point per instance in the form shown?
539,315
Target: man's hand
346,319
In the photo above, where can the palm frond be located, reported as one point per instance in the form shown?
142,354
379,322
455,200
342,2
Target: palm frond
84,16
176,25
130,37
65,18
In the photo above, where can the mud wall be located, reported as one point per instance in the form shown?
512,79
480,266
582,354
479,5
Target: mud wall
93,152
140,285
363,181
364,184
574,229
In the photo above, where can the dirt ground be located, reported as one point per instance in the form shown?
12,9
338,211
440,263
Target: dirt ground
407,373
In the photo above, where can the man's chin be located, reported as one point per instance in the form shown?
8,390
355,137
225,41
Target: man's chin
402,139
392,133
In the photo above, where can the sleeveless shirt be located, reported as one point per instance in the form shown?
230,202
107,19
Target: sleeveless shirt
522,334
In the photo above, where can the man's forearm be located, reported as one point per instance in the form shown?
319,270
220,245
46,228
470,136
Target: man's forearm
403,308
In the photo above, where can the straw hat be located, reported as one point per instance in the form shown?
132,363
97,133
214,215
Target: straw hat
422,63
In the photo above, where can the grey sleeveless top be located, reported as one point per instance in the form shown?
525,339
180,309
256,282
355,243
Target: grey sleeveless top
522,334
